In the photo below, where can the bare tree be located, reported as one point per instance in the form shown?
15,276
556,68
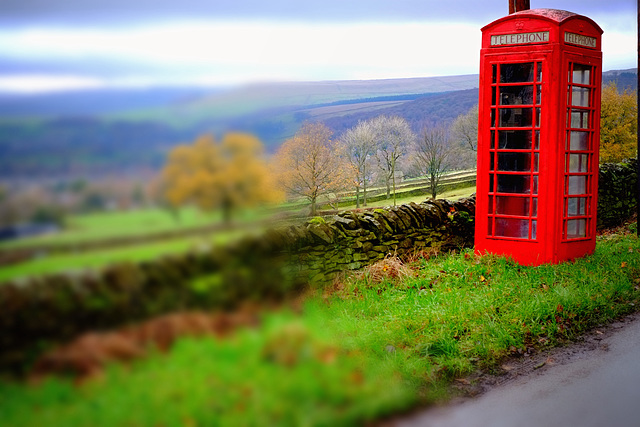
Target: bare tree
464,133
309,164
464,129
360,146
393,137
432,152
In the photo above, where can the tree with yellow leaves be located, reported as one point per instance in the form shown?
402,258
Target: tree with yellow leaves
618,125
309,165
228,175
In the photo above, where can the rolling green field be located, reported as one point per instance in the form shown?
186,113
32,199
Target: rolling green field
371,345
98,258
66,250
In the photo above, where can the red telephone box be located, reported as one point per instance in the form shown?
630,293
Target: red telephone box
538,136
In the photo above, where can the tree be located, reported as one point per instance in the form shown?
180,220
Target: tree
432,151
393,137
227,175
309,164
359,147
464,129
618,124
464,135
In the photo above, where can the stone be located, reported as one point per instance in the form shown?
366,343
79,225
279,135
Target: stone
360,257
404,217
345,223
322,231
406,243
382,219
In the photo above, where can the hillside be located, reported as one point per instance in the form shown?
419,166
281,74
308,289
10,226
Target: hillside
95,133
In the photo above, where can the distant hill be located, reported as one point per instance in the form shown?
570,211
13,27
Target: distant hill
108,132
624,79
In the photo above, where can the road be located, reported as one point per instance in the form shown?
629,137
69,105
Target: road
595,383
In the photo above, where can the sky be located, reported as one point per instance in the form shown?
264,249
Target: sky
48,45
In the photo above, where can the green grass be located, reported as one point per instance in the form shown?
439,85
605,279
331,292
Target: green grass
357,351
450,195
98,258
106,225
96,226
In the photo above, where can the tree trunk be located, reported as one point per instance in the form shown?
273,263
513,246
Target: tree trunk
227,207
393,177
434,185
364,193
314,209
358,197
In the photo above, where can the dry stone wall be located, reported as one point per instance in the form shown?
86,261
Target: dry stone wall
45,310
351,240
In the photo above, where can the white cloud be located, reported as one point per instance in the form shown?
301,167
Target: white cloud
265,49
44,83
230,52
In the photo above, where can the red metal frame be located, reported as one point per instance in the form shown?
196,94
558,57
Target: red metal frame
538,134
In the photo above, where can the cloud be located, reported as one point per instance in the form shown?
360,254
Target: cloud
110,12
143,42
237,51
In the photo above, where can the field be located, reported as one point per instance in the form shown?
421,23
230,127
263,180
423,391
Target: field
96,240
384,341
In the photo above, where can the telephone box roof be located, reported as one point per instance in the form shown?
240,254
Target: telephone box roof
554,15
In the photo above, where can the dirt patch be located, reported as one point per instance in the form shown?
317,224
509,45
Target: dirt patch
86,356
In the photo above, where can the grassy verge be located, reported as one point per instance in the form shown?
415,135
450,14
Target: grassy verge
368,346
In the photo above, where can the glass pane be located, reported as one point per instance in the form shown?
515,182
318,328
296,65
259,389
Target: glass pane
581,74
537,146
579,119
508,227
579,141
490,228
534,229
514,140
535,162
516,95
534,211
493,96
493,139
539,67
516,117
493,118
492,162
491,184
493,73
577,206
514,162
516,73
538,116
577,185
580,96
576,228
538,95
514,184
578,163
491,205
535,184
506,205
